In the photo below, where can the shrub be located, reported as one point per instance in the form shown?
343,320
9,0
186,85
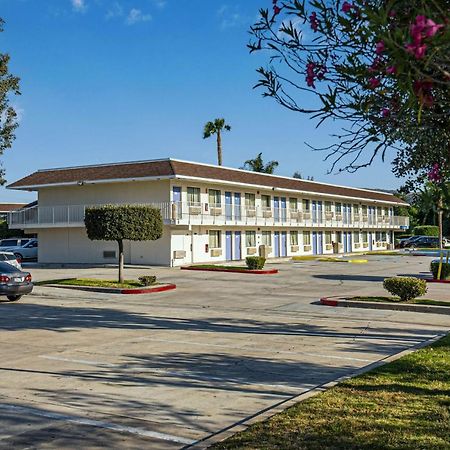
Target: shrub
434,269
147,280
255,262
407,288
426,230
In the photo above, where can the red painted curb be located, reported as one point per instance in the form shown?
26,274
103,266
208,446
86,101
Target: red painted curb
167,287
432,280
329,302
254,272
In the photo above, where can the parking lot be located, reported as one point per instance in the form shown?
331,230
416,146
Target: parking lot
84,370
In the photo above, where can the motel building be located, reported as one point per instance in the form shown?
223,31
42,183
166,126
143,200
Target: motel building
211,213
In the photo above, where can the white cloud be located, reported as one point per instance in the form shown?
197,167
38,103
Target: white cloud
136,15
230,17
115,10
159,3
79,5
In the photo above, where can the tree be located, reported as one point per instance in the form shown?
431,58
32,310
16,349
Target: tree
123,222
257,165
216,127
9,85
379,67
298,175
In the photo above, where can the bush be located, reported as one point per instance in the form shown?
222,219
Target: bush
147,280
434,269
426,230
255,262
407,288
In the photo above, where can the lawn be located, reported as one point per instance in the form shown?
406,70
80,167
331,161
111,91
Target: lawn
416,301
402,405
127,284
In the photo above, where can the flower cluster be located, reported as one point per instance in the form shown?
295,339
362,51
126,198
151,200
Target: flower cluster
348,7
434,175
314,22
276,8
423,89
419,31
314,72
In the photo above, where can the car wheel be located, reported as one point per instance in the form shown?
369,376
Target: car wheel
14,298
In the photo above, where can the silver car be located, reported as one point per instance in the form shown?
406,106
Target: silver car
10,258
27,251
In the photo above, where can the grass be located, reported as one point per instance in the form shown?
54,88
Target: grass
416,301
128,284
402,405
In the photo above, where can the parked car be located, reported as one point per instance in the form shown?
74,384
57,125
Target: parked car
14,283
426,242
405,243
10,258
27,251
13,242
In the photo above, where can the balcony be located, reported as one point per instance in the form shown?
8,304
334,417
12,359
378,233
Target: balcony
188,214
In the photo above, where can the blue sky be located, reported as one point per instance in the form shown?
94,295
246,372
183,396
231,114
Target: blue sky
106,80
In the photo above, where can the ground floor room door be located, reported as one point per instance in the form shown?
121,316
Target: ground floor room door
370,241
237,245
228,246
283,244
276,244
314,243
320,243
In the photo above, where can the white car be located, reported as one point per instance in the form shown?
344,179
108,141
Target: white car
10,258
22,252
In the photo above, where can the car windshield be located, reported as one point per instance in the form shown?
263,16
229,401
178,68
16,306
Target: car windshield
7,268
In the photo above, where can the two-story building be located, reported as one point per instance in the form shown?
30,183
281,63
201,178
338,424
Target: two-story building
211,213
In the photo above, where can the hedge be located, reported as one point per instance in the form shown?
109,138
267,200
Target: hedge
255,262
426,230
407,288
434,269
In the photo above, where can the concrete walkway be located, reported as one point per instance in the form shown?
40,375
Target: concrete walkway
164,371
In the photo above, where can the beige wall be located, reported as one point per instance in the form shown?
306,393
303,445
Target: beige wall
95,194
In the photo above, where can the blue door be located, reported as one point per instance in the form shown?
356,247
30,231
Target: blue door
314,243
276,244
276,208
237,206
319,212
320,243
283,243
344,241
228,206
237,245
314,211
283,209
349,242
370,241
176,197
228,246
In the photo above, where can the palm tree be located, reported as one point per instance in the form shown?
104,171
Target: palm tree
216,128
257,165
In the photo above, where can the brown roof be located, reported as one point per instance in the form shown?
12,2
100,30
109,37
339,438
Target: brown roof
6,207
173,168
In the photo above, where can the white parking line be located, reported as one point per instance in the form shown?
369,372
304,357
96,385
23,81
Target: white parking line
79,361
96,423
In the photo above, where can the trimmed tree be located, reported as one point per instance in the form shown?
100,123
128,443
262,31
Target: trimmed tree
123,222
217,127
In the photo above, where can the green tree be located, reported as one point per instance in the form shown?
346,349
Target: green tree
123,222
217,127
9,85
257,165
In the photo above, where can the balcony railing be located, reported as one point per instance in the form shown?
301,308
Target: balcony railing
176,213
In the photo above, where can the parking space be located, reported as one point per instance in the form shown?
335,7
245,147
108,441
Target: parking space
83,370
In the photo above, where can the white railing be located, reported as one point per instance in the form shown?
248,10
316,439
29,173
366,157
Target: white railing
177,213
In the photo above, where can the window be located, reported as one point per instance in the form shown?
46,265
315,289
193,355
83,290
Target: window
193,195
265,201
364,210
327,207
214,239
267,238
338,208
386,211
214,198
356,209
328,237
294,237
356,237
306,205
250,201
293,205
379,211
365,236
250,238
306,238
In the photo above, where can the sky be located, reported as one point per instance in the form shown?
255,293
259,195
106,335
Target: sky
108,81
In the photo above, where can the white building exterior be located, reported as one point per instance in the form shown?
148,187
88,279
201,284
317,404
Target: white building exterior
210,213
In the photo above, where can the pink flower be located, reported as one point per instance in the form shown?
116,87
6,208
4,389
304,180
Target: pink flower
392,13
347,7
380,48
424,91
434,174
374,82
314,71
314,22
391,70
276,10
385,112
432,28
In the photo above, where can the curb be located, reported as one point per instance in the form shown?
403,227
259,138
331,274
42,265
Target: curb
246,271
150,290
432,280
339,301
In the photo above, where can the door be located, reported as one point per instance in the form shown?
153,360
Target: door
237,206
320,243
283,209
276,244
314,242
319,212
228,206
276,209
349,242
228,246
176,198
237,245
283,244
370,241
314,212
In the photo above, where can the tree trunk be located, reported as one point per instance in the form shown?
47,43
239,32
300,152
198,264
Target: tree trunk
120,242
219,148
